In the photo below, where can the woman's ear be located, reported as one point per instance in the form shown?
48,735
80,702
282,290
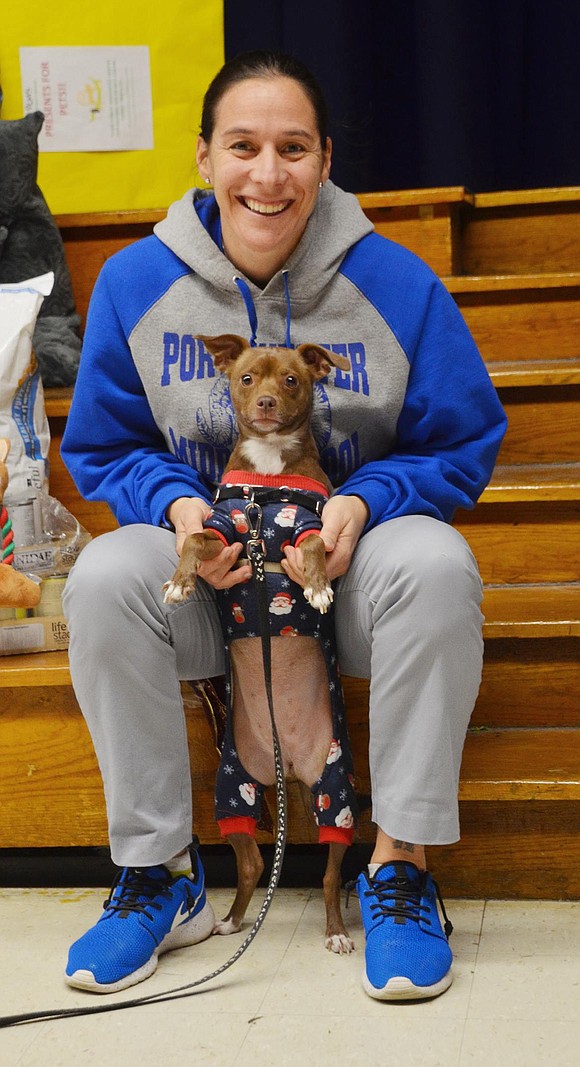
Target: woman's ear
201,153
326,160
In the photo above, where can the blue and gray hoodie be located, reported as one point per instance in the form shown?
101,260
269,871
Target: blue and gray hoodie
413,427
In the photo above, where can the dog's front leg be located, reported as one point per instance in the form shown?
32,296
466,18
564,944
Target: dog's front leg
197,547
250,866
317,588
337,938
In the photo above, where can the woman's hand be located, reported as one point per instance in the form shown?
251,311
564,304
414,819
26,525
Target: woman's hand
187,515
343,521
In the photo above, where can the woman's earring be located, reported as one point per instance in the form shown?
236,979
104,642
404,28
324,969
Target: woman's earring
207,181
320,184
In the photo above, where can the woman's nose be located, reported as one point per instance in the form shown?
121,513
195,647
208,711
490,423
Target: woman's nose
268,167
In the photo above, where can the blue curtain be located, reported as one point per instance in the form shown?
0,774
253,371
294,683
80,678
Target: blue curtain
481,93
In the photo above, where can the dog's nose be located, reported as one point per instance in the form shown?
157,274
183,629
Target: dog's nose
266,403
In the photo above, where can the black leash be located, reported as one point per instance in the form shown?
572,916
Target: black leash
256,554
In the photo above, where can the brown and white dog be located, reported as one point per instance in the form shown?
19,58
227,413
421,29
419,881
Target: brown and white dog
271,391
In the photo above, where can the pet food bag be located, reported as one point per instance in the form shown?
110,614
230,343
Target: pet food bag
22,412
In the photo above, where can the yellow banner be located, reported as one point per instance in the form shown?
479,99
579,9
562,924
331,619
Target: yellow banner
185,41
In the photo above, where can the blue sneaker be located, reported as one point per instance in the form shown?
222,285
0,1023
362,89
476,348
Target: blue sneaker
407,954
148,912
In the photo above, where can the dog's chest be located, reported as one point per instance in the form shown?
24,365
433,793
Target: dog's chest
289,613
269,454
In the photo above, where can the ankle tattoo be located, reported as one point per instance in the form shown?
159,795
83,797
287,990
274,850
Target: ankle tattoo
405,846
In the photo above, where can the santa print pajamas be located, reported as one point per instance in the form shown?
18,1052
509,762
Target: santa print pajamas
237,795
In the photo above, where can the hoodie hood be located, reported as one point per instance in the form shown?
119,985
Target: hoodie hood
336,224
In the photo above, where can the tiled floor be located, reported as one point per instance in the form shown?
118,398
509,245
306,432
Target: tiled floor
515,999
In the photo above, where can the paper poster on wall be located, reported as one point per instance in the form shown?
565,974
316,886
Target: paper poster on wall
185,48
94,99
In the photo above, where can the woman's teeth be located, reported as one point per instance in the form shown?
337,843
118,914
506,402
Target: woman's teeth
265,209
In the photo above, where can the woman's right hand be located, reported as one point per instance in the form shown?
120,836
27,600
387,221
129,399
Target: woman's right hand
187,515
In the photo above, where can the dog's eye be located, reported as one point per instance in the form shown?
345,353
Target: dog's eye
291,381
246,379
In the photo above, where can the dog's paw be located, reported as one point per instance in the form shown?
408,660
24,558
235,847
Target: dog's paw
175,592
340,943
320,599
226,926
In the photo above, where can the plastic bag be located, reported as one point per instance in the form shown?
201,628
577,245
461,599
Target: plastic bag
60,544
22,413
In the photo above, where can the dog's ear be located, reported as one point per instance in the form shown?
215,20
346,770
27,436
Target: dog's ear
224,349
319,360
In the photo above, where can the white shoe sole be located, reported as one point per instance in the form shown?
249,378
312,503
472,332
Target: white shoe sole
399,988
189,933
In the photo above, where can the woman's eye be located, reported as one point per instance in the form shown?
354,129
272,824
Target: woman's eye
294,149
246,379
241,146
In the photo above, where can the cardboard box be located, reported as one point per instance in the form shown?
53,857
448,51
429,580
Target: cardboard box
34,634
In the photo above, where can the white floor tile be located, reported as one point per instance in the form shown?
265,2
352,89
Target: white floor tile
514,999
289,1040
514,1043
528,988
144,1037
515,928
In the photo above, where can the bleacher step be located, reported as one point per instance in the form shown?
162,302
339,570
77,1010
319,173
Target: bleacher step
521,764
543,610
533,482
516,373
539,610
494,283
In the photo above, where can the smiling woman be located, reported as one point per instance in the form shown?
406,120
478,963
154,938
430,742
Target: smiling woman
406,435
266,164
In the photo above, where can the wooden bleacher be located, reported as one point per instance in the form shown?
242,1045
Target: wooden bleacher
512,262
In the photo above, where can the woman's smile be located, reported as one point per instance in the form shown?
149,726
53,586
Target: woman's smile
260,208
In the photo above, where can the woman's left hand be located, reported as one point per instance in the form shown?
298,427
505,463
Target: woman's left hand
343,521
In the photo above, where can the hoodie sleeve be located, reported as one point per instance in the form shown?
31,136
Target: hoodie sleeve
451,424
112,445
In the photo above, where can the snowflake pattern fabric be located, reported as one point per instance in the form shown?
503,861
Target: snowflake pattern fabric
237,797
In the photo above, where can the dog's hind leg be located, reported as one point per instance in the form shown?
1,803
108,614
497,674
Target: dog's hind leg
337,938
250,866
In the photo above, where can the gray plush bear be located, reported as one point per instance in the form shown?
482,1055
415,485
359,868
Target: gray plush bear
31,245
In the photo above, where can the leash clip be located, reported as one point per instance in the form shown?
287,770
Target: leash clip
254,516
255,547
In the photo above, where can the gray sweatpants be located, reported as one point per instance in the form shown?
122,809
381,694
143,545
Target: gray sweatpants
407,616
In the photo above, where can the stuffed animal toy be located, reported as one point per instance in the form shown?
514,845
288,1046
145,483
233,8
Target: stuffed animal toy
16,589
31,245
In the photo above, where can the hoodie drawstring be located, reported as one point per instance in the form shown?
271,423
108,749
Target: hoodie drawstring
288,341
251,309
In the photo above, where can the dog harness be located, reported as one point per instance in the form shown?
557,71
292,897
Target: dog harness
290,509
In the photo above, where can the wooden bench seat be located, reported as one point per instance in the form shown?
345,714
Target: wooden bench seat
521,764
535,372
522,230
541,610
33,669
534,482
494,283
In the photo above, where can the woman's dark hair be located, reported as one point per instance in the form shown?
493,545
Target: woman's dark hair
262,64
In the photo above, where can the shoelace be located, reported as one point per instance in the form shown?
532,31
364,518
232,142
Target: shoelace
128,890
401,897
